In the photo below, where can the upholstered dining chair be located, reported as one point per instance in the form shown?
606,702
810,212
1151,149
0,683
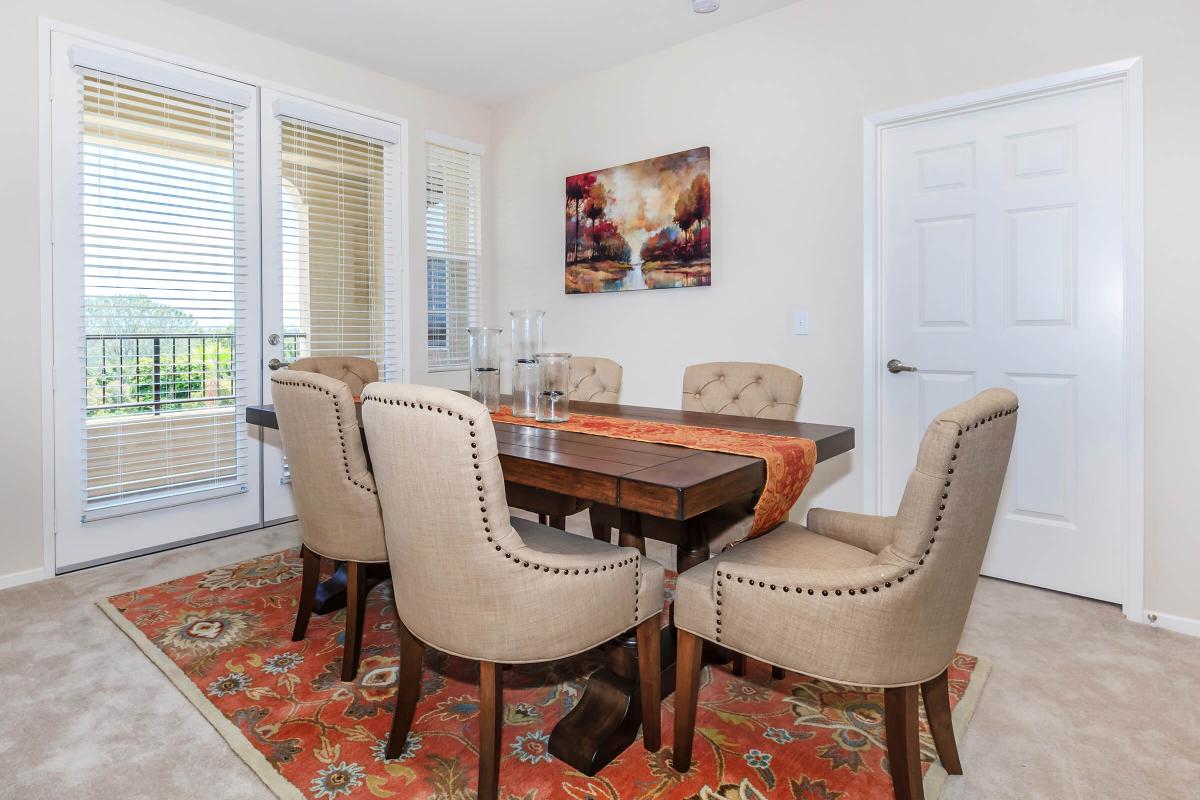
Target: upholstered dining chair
355,372
472,582
334,492
864,600
742,389
592,379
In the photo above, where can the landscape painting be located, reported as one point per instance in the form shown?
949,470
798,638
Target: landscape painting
643,225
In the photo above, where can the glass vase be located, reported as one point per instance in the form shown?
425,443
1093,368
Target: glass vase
526,342
483,348
554,374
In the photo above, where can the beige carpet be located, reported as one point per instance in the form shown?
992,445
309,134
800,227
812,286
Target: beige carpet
1080,704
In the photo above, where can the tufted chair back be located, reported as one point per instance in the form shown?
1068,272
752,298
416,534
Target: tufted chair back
595,379
355,372
742,388
334,490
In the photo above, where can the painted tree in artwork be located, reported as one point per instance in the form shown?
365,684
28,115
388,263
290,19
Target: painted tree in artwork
701,194
593,209
578,189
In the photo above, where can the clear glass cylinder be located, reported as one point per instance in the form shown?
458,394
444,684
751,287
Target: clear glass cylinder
526,342
554,383
483,348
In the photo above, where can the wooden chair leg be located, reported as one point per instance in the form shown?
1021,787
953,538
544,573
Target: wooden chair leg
356,607
739,665
936,693
904,750
778,673
558,521
688,648
308,591
408,690
491,715
649,637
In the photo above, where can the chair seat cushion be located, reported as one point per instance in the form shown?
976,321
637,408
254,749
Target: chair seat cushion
789,545
551,540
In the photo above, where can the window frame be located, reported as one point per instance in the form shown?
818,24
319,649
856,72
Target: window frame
475,262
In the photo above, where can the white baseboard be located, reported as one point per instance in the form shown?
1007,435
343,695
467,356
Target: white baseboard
1173,623
18,578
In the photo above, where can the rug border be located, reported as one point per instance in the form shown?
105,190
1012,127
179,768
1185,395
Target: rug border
936,776
233,736
934,781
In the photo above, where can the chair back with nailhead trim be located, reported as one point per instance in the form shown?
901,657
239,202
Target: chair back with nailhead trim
332,484
743,389
464,579
594,379
946,514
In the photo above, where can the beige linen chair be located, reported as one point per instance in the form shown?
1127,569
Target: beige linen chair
742,389
592,379
471,582
334,493
355,372
874,601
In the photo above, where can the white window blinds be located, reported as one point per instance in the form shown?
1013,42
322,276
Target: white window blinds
452,243
335,244
163,359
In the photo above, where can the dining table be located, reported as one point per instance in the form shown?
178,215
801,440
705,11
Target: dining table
646,491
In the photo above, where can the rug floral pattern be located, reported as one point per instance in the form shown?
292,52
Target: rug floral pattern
229,631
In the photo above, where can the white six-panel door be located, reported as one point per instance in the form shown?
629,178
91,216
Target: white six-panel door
1002,253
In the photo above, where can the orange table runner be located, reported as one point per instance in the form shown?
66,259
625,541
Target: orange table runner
790,460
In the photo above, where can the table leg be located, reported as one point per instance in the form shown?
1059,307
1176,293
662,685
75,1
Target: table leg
331,592
607,717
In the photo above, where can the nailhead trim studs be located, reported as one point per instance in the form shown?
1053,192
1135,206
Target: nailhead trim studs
634,561
899,578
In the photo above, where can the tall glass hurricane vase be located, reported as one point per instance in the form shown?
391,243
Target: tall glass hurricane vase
483,347
526,342
554,373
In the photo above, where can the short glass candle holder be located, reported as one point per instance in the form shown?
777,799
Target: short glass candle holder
554,374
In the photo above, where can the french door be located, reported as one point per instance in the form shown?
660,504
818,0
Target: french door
168,200
330,221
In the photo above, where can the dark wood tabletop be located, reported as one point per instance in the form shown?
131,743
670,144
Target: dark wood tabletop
664,481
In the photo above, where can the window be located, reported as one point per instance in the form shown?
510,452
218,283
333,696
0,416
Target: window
163,271
333,242
452,234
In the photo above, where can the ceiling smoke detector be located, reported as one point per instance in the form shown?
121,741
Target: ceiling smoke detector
705,6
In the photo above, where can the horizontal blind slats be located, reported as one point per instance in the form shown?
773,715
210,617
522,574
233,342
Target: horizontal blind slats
452,239
162,194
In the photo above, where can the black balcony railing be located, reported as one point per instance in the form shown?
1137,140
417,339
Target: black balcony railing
156,372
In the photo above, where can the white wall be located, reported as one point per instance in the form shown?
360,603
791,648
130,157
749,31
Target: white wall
171,29
780,100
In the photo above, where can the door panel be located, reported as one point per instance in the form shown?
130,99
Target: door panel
1002,265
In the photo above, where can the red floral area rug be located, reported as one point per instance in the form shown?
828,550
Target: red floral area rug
223,638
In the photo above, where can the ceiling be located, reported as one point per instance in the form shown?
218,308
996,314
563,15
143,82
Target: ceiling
486,51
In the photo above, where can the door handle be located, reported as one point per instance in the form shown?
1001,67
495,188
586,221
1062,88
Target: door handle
895,365
275,364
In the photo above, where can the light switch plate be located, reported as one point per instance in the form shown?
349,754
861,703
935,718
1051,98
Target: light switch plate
800,323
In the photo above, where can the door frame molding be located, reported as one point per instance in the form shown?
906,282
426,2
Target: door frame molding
1127,73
